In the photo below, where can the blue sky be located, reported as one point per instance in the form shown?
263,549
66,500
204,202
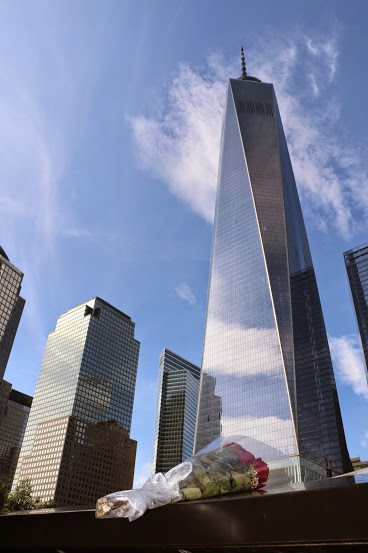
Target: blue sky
110,121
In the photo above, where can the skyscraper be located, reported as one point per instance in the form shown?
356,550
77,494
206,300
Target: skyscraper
265,339
176,409
77,447
11,307
356,261
12,428
14,406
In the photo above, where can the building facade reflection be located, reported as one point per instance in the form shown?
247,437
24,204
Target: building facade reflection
265,339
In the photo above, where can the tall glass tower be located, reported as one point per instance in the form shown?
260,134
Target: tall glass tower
12,429
11,307
176,409
356,261
265,340
76,446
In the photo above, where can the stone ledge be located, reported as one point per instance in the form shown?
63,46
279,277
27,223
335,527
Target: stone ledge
323,518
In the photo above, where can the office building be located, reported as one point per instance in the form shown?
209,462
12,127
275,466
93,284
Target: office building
12,427
11,307
265,339
5,389
14,406
176,410
77,447
356,262
358,464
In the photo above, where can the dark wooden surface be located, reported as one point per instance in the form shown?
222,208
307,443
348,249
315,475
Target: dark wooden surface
324,518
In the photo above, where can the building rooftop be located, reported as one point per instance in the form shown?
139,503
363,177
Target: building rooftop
2,252
21,398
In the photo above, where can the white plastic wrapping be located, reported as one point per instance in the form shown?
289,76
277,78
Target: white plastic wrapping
160,489
221,468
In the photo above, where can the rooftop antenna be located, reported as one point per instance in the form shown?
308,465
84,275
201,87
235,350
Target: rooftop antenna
244,75
244,69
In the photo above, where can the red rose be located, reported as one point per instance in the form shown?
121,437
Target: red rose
246,457
262,471
242,454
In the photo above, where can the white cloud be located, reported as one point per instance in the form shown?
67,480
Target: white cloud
232,340
314,85
328,170
327,49
347,356
180,144
185,293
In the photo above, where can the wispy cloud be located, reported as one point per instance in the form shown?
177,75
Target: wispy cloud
327,49
76,233
314,85
328,169
180,143
364,440
185,293
347,356
40,118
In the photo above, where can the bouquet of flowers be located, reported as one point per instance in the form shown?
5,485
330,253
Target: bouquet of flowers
230,470
224,467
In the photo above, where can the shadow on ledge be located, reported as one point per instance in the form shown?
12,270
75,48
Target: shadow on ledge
326,516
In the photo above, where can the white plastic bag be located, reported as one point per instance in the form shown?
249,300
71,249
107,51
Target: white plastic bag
221,468
160,489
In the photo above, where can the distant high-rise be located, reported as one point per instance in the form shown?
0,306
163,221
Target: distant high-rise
12,427
11,307
265,339
14,406
5,389
358,464
176,409
77,447
356,261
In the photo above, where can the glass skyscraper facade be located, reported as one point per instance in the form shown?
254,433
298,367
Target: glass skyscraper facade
176,409
77,447
356,262
12,427
11,307
14,406
265,341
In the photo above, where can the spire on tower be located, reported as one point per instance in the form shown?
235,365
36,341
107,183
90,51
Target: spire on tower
244,69
244,75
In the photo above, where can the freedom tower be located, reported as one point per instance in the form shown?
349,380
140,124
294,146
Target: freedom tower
265,340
